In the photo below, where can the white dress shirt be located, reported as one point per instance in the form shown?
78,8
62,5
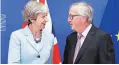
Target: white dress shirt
85,32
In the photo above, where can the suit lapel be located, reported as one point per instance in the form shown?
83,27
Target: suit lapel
86,43
30,39
73,43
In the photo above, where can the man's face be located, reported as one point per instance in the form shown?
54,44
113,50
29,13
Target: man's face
75,20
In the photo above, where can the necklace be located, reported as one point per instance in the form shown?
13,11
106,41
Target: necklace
37,40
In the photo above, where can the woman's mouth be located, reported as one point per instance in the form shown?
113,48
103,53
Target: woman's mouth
43,23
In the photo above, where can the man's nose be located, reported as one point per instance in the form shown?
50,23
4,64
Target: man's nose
69,20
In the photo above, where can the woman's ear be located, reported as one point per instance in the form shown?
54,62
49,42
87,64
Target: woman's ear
32,20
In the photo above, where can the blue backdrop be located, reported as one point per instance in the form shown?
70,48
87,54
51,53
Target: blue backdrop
105,11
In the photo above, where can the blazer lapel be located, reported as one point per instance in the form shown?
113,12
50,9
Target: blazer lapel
29,37
73,44
86,43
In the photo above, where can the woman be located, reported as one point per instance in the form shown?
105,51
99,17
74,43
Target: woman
31,44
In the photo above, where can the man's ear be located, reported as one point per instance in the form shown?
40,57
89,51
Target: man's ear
84,19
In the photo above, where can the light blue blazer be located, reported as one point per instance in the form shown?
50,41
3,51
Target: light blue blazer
24,50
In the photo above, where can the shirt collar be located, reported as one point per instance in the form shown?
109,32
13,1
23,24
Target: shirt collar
85,32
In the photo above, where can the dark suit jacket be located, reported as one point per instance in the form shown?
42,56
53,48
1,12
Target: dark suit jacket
97,48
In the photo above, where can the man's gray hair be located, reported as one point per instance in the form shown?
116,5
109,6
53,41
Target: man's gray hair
33,8
84,9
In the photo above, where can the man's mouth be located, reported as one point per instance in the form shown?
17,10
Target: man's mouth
70,24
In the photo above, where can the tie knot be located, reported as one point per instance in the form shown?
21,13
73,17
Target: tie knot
79,36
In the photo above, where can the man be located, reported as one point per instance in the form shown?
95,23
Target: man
88,44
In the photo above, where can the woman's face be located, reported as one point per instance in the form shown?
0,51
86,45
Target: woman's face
40,21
